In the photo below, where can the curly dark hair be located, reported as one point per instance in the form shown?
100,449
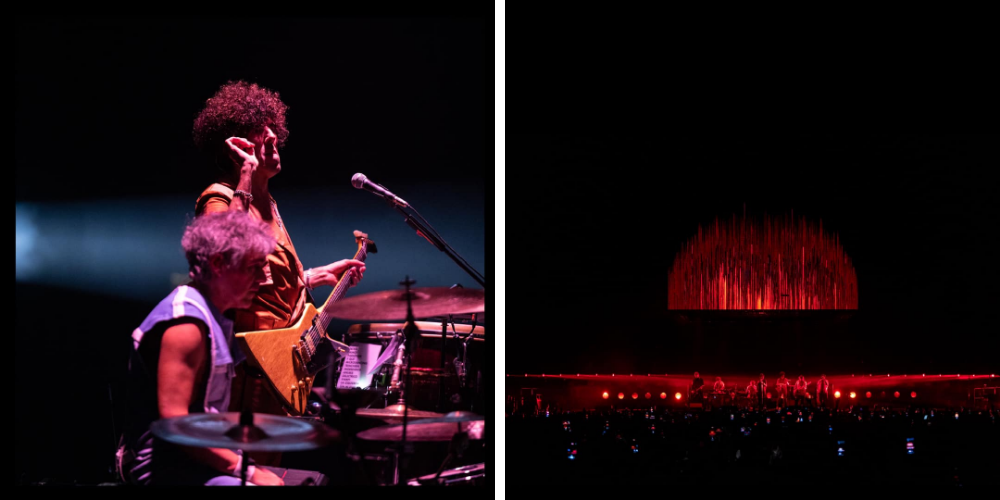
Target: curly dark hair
238,109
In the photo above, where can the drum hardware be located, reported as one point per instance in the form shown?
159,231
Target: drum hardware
461,368
456,448
440,429
244,431
409,332
458,300
458,428
406,304
433,376
397,366
467,474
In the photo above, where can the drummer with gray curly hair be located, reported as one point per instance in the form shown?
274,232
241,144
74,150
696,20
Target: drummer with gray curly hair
182,355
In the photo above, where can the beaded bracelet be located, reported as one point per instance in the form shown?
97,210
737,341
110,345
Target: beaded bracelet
246,195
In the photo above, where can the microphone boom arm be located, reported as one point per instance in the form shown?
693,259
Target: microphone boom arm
433,239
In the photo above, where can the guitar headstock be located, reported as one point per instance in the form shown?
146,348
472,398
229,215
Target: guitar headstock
364,243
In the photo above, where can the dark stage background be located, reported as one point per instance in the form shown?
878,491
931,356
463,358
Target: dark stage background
916,214
107,175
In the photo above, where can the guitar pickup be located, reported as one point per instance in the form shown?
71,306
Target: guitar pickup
302,354
322,354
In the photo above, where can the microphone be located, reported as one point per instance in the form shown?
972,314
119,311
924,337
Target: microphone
361,181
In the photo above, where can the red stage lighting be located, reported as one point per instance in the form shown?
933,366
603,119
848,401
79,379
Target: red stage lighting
621,395
836,394
635,395
853,394
663,395
868,394
896,394
648,395
913,394
677,396
605,395
762,263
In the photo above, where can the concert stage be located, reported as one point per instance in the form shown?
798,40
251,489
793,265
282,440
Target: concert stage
562,392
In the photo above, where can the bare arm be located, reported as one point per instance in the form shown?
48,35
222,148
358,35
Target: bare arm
242,153
331,274
182,360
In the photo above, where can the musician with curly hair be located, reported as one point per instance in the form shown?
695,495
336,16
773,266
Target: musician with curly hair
241,130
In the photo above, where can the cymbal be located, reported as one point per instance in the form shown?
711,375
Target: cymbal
390,305
456,416
223,430
394,413
431,429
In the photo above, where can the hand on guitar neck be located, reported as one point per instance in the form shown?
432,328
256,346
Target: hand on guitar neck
333,273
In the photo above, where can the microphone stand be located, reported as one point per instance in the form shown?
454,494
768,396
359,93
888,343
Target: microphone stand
436,240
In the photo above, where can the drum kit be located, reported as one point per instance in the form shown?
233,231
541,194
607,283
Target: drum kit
425,400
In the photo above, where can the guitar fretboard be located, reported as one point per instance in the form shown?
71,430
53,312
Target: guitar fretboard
338,293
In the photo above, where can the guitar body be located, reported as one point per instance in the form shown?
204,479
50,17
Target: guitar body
274,353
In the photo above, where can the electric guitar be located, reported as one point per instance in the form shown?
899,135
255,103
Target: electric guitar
291,357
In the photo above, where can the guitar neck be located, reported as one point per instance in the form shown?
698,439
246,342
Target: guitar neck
341,288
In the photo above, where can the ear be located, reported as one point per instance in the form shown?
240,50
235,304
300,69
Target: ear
217,263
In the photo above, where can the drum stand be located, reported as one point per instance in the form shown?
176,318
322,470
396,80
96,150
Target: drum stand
409,331
461,359
459,443
401,362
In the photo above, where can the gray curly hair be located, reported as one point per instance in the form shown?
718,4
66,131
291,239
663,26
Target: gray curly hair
231,234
